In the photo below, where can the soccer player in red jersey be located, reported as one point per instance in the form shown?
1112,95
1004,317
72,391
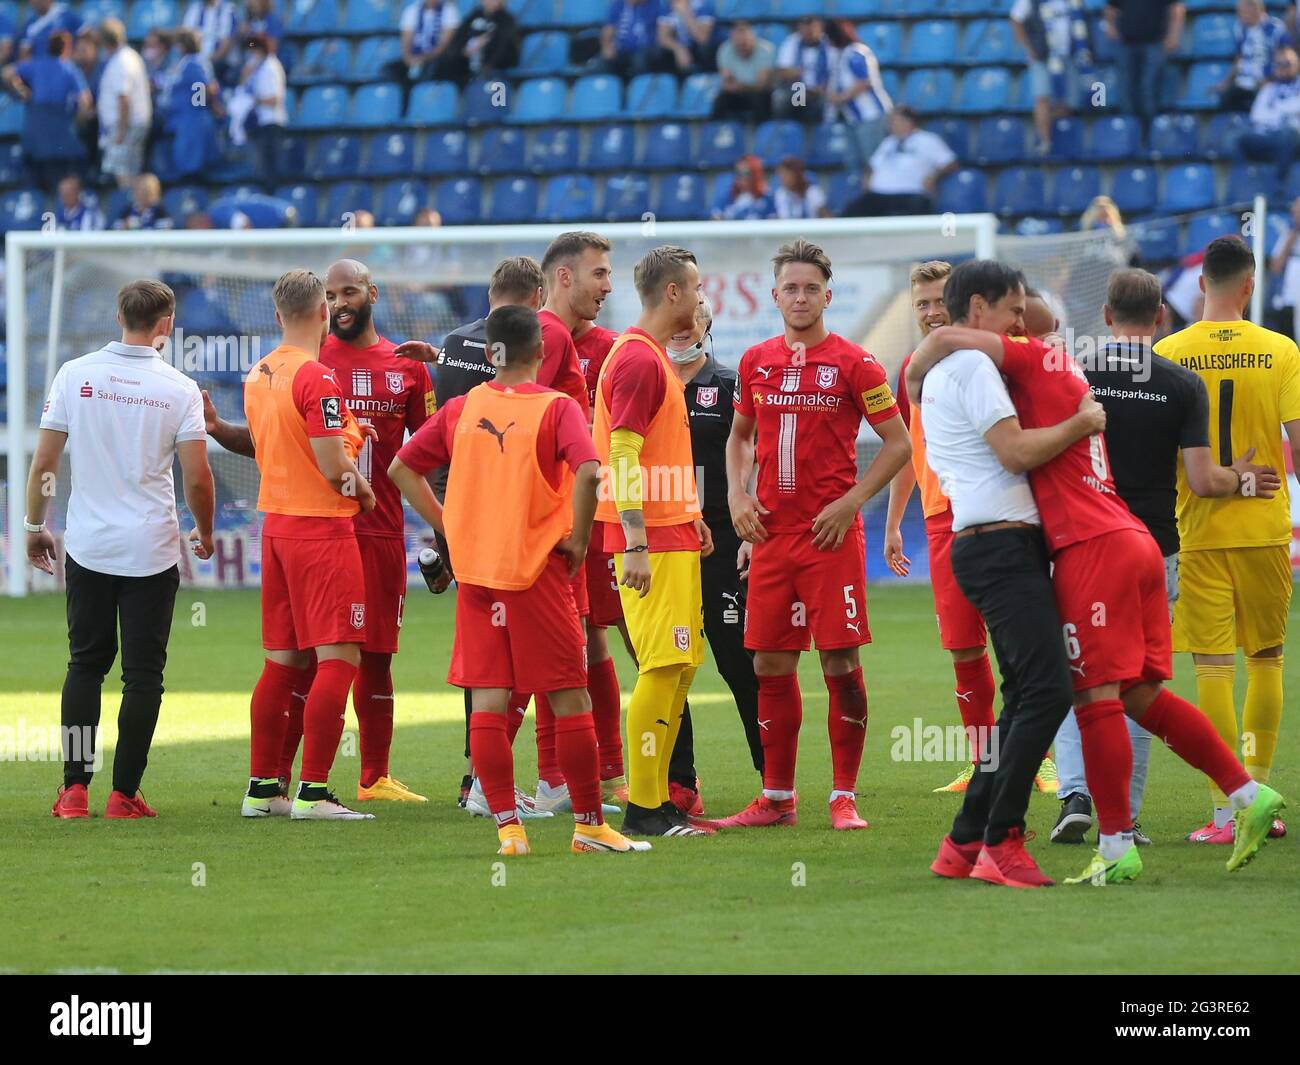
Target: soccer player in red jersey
313,586
806,392
1108,575
517,549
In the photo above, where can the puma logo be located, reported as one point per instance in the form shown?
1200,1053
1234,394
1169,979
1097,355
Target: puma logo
500,434
1077,669
766,371
862,724
270,374
964,696
856,626
661,721
763,724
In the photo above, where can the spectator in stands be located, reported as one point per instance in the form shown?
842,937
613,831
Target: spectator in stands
217,24
685,31
427,29
804,63
199,220
486,42
125,106
1274,134
748,197
428,217
258,109
146,209
75,208
1290,20
46,17
55,94
1103,213
259,18
192,107
1148,32
8,36
1055,37
1259,36
85,57
796,196
629,40
745,63
904,171
156,51
857,95
1285,263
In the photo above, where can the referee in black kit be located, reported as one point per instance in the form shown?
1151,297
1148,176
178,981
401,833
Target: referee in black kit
710,389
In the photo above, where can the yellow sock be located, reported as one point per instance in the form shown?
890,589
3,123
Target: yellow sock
676,710
649,713
1214,696
1262,715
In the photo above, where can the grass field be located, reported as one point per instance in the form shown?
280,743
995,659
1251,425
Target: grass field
415,890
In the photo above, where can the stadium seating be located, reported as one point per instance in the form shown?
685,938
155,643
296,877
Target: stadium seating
444,153
513,200
773,141
1174,137
399,202
610,148
389,155
721,144
999,141
679,197
1206,227
1134,190
1020,190
666,147
965,192
552,151
458,201
1074,189
627,198
335,157
1188,188
1119,137
501,151
539,100
570,198
433,103
1248,180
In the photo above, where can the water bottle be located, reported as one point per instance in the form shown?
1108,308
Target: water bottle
431,567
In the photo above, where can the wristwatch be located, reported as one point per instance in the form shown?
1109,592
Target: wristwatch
29,527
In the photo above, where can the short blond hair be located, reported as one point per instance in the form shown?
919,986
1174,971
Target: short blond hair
934,270
514,279
141,303
801,251
298,294
659,268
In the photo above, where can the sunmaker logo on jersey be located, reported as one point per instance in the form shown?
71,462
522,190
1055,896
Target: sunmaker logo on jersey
798,400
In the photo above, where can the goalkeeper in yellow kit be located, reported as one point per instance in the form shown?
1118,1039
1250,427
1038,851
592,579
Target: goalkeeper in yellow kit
1235,561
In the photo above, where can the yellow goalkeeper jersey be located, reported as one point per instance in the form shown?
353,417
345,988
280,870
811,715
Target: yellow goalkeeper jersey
1253,378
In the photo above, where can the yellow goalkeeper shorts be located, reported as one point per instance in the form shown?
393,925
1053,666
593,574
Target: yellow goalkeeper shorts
667,626
1232,597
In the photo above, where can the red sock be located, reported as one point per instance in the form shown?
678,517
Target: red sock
1107,762
372,698
975,701
494,763
606,712
322,720
1190,735
780,713
293,727
515,714
847,723
575,747
269,713
548,767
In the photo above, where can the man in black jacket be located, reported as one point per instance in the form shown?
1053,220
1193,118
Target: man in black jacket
486,43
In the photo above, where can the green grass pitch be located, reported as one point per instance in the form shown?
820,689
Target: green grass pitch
200,889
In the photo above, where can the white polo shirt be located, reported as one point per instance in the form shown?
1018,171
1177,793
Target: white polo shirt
124,411
124,75
900,167
964,398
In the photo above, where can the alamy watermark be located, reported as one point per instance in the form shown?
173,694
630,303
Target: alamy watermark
51,743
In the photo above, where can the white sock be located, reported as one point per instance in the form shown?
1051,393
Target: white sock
1114,846
1242,797
1223,814
840,794
544,788
772,793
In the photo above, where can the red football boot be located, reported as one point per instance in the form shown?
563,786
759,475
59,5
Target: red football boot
120,806
1209,834
844,814
956,860
72,803
686,799
761,813
1009,864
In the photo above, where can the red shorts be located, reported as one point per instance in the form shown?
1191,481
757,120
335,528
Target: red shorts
527,641
580,597
1110,591
313,593
383,560
960,624
602,589
798,594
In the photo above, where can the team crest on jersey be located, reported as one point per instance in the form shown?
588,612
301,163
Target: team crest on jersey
707,397
583,364
393,379
358,615
827,376
681,637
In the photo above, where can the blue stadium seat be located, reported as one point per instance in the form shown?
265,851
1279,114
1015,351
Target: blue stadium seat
681,196
539,100
1248,180
552,150
533,13
773,31
486,102
582,13
324,60
1134,189
596,97
400,202
92,12
990,41
183,201
965,192
885,39
1290,194
1174,137
1206,227
322,107
720,145
931,43
774,140
1188,188
610,148
984,90
146,15
1020,190
13,166
501,151
841,188
1116,137
514,199
929,90
433,103
343,198
459,201
999,141
1157,239
1212,37
956,133
1067,140
367,16
305,201
203,314
117,202
1074,189
373,54
1200,93
334,157
570,198
1039,227
627,198
389,155
698,93
752,9
1223,133
377,104
446,152
544,53
789,10
651,96
251,307
312,17
667,147
830,146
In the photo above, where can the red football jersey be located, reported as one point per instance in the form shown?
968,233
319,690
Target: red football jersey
559,369
393,395
809,410
593,349
1075,492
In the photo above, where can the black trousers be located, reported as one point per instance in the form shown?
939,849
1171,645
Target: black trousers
1005,575
878,204
97,604
724,628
